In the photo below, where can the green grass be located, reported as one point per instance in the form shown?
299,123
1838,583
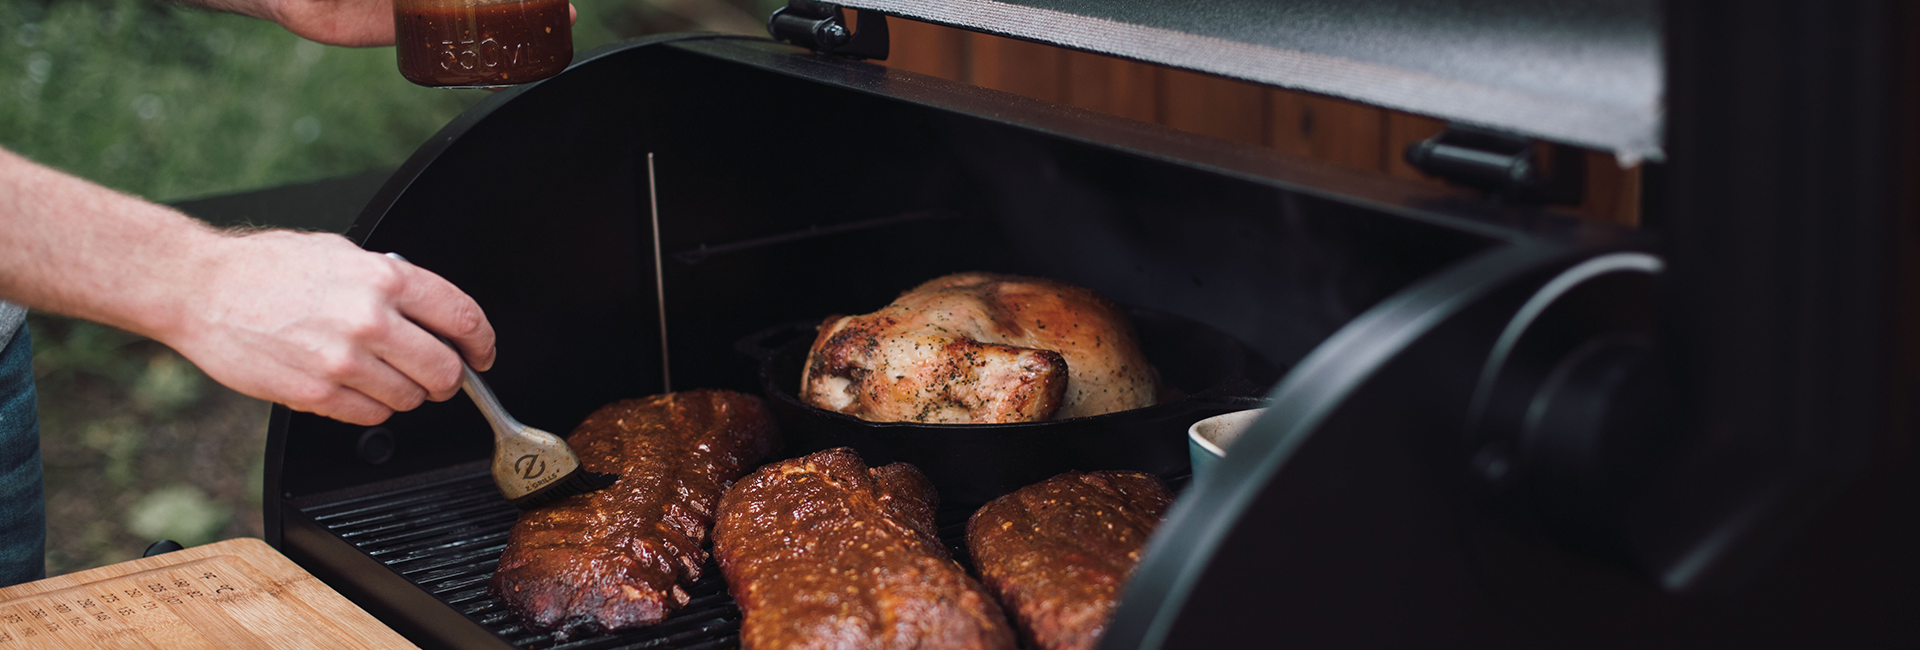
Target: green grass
169,102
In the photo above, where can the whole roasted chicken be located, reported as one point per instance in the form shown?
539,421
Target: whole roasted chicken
975,348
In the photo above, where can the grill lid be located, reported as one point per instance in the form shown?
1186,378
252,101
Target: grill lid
1585,72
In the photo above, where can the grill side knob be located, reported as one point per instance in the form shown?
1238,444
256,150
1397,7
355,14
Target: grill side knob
376,445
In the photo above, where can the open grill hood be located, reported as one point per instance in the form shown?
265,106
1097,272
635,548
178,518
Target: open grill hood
1582,72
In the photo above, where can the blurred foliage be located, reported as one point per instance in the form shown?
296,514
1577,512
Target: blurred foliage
181,513
170,102
135,440
159,381
83,348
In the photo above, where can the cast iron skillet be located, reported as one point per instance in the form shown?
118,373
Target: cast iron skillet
1209,370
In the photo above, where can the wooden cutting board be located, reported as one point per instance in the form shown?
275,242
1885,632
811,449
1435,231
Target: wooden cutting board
239,593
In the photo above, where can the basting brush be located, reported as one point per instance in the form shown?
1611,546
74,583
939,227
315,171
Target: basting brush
531,467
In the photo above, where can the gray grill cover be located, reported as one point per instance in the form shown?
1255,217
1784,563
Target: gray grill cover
1585,72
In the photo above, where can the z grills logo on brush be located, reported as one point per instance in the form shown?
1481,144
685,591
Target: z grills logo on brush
530,466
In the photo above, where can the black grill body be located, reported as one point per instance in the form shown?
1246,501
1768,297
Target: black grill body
792,185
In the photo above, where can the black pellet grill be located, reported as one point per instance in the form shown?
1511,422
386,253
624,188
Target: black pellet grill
1477,440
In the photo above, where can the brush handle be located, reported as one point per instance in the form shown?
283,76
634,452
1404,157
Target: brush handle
504,426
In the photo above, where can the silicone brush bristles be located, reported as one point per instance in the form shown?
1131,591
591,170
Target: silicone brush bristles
580,481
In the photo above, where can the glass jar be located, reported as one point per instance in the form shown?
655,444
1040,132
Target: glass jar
481,43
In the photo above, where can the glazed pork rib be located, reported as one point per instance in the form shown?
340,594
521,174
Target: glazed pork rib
822,552
1058,553
981,348
616,558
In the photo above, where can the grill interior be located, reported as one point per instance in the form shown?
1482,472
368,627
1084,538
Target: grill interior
446,537
1276,254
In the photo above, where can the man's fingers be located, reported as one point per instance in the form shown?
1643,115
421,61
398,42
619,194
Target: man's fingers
372,377
440,307
423,358
350,406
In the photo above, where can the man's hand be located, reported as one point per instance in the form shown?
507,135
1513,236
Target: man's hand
306,320
352,23
313,322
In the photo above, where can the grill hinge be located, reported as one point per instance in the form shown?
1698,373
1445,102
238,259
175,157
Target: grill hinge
1505,165
821,27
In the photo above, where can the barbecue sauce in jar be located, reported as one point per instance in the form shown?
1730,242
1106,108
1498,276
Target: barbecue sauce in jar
481,43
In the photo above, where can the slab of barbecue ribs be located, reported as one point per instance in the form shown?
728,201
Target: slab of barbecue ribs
822,552
981,348
617,558
1058,553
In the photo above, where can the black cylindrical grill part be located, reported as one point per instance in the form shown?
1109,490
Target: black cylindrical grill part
1275,253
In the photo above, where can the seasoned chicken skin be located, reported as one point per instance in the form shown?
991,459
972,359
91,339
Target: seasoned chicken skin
975,348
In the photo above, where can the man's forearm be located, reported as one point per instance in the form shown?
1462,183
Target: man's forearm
304,319
72,247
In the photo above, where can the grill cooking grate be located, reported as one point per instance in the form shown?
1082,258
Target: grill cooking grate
447,537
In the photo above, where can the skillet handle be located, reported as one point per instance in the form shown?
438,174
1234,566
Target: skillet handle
1234,388
1229,402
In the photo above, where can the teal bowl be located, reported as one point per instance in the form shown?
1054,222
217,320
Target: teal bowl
1207,440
